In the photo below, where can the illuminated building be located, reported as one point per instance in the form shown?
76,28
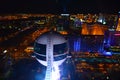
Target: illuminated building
101,19
77,22
86,43
90,40
93,29
118,24
51,49
85,29
63,22
112,41
91,43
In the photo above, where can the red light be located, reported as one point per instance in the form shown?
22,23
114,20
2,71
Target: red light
117,34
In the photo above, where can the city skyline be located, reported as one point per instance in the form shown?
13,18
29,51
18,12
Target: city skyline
90,43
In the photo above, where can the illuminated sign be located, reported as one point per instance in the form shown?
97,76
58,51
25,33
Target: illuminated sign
117,34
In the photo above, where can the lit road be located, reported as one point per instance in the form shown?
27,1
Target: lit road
15,47
24,38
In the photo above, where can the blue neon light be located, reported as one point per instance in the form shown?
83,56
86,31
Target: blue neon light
77,45
107,53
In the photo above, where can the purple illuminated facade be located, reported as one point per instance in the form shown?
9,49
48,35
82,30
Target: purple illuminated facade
112,41
86,43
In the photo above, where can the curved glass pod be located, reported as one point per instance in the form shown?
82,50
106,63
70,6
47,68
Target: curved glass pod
60,48
59,51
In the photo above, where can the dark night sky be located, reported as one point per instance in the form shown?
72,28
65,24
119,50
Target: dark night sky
59,6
